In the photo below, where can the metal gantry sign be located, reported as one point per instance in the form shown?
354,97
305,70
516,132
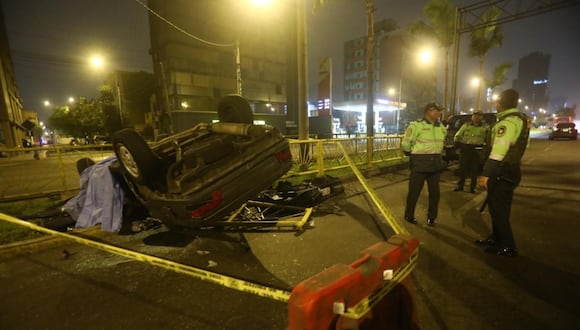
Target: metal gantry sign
469,19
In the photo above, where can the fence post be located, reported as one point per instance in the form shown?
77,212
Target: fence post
61,166
320,157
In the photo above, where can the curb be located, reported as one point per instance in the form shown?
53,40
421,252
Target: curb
11,249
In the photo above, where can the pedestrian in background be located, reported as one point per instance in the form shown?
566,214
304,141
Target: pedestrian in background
472,138
502,173
423,142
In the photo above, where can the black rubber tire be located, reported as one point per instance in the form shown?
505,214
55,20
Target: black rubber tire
138,161
235,109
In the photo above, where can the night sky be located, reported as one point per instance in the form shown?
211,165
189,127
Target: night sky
51,41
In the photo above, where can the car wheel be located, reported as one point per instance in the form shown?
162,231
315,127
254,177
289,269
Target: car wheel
235,109
137,159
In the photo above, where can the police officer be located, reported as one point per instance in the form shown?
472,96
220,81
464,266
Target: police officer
471,138
501,172
423,142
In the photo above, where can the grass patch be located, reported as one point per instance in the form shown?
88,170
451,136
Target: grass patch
9,232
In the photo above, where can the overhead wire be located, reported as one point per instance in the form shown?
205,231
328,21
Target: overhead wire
182,30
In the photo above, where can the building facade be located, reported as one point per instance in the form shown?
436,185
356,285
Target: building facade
204,50
532,82
11,130
400,85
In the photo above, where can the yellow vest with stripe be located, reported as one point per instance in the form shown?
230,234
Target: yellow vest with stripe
422,137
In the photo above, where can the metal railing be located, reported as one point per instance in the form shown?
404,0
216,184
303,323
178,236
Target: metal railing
38,171
320,157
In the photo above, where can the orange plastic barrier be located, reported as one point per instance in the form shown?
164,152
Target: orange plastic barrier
319,302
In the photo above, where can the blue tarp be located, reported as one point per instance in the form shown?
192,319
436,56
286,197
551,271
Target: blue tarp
100,200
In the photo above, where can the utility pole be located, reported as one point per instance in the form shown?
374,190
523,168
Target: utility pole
302,76
119,101
238,69
370,117
303,129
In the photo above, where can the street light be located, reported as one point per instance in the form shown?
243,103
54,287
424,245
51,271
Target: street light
261,2
425,56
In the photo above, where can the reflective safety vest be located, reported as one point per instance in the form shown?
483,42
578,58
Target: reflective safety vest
510,137
422,137
469,133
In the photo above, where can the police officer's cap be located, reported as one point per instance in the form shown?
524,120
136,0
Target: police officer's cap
432,105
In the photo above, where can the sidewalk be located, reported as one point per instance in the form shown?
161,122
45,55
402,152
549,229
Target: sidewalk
457,285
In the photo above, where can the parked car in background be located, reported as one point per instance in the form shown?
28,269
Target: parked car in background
3,153
564,131
26,143
101,139
453,125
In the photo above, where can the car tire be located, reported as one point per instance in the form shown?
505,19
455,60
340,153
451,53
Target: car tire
138,161
235,109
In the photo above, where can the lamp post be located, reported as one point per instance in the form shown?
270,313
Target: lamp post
98,63
303,125
119,99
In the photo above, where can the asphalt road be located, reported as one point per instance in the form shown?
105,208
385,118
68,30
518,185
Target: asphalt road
22,174
457,285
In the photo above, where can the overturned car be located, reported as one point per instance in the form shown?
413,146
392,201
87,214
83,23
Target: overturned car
205,172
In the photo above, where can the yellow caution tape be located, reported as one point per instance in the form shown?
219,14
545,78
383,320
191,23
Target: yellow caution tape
391,220
363,307
223,280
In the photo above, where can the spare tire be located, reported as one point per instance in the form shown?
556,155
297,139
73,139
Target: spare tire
137,159
235,109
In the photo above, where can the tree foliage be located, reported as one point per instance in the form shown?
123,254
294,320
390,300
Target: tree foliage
111,114
484,39
499,75
84,118
440,25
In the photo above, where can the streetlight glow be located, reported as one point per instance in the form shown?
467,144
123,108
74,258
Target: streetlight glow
261,2
475,82
97,61
425,56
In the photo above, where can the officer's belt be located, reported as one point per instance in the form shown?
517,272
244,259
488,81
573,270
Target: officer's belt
476,146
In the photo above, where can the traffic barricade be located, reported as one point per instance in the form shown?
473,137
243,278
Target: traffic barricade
372,292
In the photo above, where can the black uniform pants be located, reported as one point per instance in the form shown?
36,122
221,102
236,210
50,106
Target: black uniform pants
469,165
416,182
499,198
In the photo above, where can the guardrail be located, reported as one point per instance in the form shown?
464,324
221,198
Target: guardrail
321,156
49,170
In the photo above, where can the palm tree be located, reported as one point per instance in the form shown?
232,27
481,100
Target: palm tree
498,77
441,26
483,39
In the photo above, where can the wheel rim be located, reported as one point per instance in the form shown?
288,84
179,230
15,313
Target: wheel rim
128,161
